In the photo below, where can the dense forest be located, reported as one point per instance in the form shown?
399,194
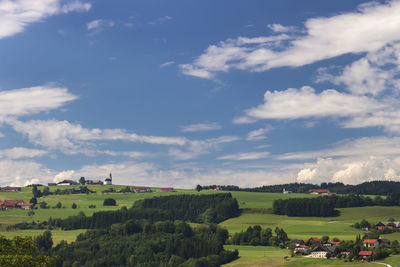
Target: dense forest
324,206
146,243
367,188
213,208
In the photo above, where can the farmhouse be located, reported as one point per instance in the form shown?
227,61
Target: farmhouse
319,191
365,254
167,189
67,182
138,189
387,224
10,189
15,204
318,252
370,243
301,249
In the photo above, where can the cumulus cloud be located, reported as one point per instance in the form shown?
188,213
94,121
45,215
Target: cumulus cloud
33,100
16,15
356,32
306,103
73,138
245,156
23,172
199,127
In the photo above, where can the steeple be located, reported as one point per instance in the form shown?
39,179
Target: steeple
110,176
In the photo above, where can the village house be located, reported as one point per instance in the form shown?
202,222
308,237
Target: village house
67,182
10,189
15,204
388,224
167,189
313,241
318,252
286,191
365,254
370,243
138,189
301,249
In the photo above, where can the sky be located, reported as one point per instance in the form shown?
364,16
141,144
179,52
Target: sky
183,92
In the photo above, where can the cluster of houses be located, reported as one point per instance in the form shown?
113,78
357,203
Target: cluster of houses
15,204
316,248
388,225
321,192
10,189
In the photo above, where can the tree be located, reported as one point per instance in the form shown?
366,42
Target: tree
109,202
58,205
33,201
36,193
46,191
199,188
44,241
325,238
82,180
43,205
74,206
31,213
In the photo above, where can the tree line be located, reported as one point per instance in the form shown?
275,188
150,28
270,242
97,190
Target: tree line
257,236
366,188
325,206
213,208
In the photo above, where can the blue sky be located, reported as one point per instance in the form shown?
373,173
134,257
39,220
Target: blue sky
176,93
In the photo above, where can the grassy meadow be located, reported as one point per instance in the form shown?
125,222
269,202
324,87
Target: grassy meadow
257,210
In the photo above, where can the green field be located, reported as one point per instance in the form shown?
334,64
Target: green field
257,210
272,256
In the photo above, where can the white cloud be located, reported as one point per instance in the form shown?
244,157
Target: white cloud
200,147
377,72
161,20
23,172
356,32
97,26
306,103
16,15
280,28
165,64
33,100
199,127
245,156
21,152
73,138
258,134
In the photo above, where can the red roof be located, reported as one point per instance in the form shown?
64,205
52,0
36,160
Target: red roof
319,190
365,253
167,188
316,239
304,246
336,244
369,241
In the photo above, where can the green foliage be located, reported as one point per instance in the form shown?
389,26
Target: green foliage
43,205
256,236
58,205
109,202
199,188
74,206
82,180
44,242
22,252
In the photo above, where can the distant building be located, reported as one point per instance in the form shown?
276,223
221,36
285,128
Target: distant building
319,252
318,191
93,182
15,204
138,189
370,243
286,191
10,189
167,189
108,181
365,254
67,182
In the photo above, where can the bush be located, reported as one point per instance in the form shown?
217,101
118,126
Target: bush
58,205
74,206
109,202
43,205
92,206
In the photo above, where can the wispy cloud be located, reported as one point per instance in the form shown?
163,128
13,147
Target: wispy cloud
97,26
16,15
21,152
322,38
33,100
200,127
259,134
246,156
165,64
280,28
160,20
